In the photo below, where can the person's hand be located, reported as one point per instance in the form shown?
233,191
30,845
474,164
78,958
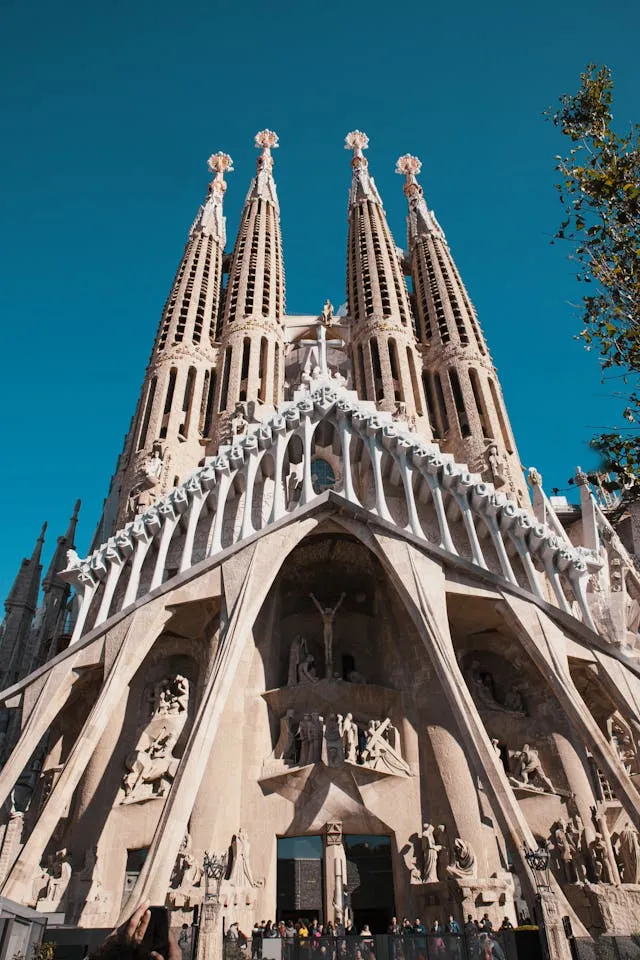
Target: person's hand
135,927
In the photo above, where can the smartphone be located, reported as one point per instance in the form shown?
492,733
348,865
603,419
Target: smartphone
156,936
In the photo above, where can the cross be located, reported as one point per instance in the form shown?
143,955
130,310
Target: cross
376,739
321,343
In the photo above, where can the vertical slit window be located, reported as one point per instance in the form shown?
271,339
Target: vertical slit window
187,403
395,370
415,383
246,353
276,374
262,372
377,369
458,398
477,396
147,413
363,378
444,417
208,415
225,379
503,425
431,407
168,402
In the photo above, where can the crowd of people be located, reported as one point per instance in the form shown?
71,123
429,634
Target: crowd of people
404,940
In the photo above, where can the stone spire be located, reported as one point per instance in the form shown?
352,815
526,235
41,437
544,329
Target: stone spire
20,606
175,412
51,625
252,368
465,402
385,358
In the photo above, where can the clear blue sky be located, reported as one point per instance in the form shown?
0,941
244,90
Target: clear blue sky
109,113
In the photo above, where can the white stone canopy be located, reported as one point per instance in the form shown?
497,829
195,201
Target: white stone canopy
383,467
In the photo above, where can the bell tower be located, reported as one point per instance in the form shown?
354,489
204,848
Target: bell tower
463,393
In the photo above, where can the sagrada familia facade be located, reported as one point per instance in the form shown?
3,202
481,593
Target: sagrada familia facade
326,617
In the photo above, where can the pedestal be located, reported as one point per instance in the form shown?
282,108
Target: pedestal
210,945
554,939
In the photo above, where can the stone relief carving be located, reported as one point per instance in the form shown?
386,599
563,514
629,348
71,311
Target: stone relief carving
600,859
623,742
50,890
566,841
627,847
151,766
430,850
337,739
328,615
464,863
529,770
186,876
481,687
241,876
497,466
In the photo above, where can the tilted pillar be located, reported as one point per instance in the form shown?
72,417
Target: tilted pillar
251,368
463,393
386,363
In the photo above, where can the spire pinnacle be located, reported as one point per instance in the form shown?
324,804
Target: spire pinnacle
210,218
73,522
219,163
263,186
362,184
39,543
421,220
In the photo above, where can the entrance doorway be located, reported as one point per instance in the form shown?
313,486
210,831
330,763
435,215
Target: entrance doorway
370,881
300,881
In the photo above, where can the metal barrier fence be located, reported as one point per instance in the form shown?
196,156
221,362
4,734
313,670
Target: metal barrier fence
483,946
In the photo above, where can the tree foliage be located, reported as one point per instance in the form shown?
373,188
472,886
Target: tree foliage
599,188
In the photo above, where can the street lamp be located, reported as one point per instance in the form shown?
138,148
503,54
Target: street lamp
215,868
540,863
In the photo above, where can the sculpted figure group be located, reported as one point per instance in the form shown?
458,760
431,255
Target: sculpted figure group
338,738
434,859
152,766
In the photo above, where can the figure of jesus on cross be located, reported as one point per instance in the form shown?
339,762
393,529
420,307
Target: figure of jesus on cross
328,616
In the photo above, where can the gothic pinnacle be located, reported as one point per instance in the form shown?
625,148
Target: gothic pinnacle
362,184
421,220
263,186
219,163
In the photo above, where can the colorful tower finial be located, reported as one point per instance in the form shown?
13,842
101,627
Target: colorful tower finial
362,184
219,163
357,141
421,219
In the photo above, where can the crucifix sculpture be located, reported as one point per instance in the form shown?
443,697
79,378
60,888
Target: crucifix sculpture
328,616
320,341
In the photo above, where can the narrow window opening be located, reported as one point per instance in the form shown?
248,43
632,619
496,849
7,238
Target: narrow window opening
431,407
147,413
187,403
458,398
262,372
168,402
225,379
503,426
363,378
477,396
415,383
377,370
444,417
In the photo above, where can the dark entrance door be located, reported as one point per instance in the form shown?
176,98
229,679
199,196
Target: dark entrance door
370,881
300,881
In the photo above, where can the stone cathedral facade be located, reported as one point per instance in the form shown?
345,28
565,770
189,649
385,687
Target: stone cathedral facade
327,624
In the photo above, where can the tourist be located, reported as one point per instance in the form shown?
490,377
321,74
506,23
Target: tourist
452,926
506,924
256,940
270,930
486,925
184,941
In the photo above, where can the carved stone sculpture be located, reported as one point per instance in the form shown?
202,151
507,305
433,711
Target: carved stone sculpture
350,738
465,863
51,888
629,854
333,740
186,876
480,686
430,850
307,670
241,875
378,752
316,731
297,654
285,748
304,735
152,766
564,851
328,615
530,768
496,466
600,857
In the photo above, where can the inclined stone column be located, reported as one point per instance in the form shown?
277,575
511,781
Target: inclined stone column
460,789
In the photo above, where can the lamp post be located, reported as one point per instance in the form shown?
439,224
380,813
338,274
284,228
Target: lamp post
553,939
215,868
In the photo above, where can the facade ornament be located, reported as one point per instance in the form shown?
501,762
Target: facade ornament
565,851
285,748
464,863
350,739
628,850
241,875
52,886
530,769
430,850
328,615
151,766
600,858
378,753
186,876
333,740
298,653
496,464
